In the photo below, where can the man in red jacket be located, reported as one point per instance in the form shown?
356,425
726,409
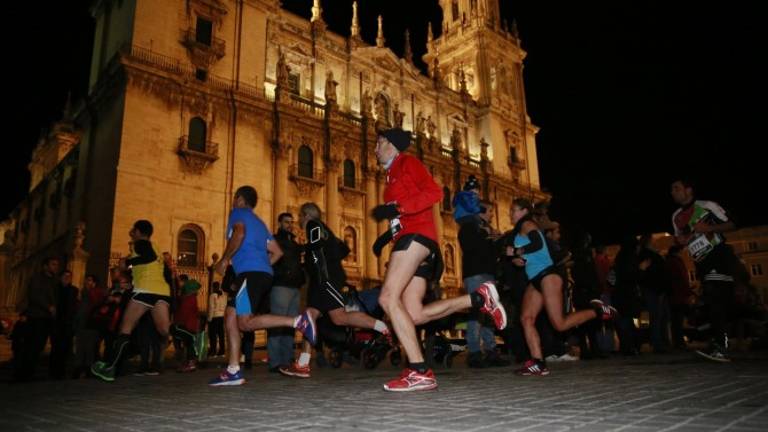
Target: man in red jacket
415,259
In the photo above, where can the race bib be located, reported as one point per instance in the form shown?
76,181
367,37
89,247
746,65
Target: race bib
700,247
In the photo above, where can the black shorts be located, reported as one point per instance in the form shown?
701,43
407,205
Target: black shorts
325,297
251,289
536,281
149,299
432,267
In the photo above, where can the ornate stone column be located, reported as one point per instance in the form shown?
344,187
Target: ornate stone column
371,232
281,175
332,194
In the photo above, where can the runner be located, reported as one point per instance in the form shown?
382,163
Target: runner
326,276
252,251
415,259
545,287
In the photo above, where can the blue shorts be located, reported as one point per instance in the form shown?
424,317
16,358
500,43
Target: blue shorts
252,288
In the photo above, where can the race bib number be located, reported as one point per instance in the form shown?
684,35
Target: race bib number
700,247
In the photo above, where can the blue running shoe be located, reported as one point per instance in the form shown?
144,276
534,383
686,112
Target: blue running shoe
228,379
306,325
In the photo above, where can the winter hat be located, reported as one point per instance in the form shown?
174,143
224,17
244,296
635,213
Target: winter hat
399,138
472,183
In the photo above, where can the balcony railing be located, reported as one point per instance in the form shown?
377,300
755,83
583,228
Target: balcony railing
217,46
197,160
355,185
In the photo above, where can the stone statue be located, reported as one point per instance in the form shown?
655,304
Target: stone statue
456,138
398,115
79,236
330,89
431,127
283,70
380,109
420,123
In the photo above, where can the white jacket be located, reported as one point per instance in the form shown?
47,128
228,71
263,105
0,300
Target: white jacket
217,304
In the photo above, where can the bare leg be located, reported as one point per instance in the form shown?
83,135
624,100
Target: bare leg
133,312
340,317
161,316
233,337
532,304
402,267
421,313
552,286
251,322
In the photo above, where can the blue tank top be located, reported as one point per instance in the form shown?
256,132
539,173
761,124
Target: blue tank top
535,262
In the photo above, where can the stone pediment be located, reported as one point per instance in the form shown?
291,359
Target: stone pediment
383,58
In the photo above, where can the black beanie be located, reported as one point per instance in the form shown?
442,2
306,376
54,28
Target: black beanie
399,138
471,183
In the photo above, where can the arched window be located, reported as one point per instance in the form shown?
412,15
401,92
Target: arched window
190,246
446,199
350,239
306,162
349,174
450,268
455,10
197,134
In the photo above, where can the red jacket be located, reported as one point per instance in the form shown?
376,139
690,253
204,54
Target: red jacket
186,314
410,185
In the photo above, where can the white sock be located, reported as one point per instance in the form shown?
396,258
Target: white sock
233,369
296,321
304,359
380,327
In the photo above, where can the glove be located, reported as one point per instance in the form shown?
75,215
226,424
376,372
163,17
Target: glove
385,211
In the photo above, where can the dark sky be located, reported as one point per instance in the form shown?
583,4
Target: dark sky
627,94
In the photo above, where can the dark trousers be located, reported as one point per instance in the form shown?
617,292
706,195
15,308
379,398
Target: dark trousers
216,336
38,330
677,314
148,340
249,338
658,317
61,351
628,338
718,298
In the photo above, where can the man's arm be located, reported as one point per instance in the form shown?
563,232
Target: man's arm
145,253
275,252
233,244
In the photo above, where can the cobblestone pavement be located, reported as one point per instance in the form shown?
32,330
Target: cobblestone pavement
651,393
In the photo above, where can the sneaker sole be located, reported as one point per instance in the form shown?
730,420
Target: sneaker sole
495,296
709,357
238,382
410,389
102,377
295,375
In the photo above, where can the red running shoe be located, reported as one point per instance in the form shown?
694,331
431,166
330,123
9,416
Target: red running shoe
411,380
533,367
492,306
295,370
604,311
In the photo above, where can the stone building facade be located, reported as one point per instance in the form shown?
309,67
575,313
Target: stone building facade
190,99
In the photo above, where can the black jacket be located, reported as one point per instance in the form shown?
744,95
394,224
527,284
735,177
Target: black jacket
478,253
288,271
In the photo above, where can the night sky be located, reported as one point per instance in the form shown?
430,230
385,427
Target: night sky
628,95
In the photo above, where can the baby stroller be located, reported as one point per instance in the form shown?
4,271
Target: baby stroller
363,346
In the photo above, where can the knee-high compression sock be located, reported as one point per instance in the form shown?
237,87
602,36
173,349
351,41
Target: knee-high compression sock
477,300
119,348
185,336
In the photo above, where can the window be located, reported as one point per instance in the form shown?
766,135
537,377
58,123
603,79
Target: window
757,270
306,162
197,134
190,246
513,158
349,174
204,31
294,83
201,74
752,246
446,199
455,10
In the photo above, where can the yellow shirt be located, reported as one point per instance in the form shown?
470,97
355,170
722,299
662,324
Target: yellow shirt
148,278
